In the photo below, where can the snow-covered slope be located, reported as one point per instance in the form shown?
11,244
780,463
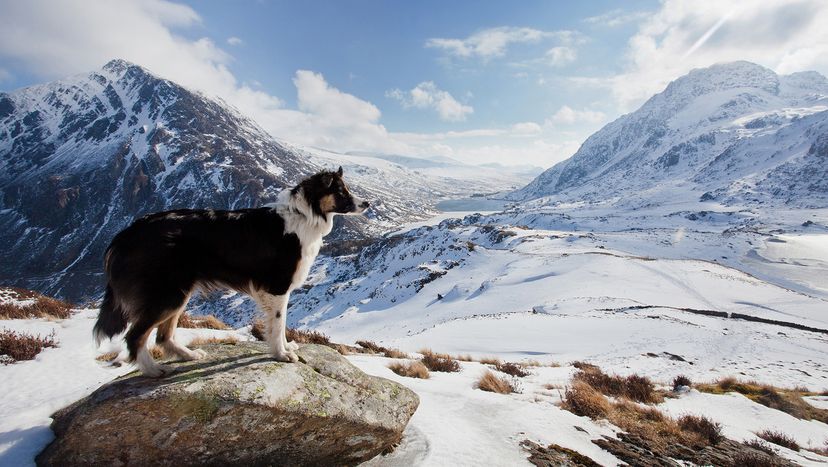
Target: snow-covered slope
82,157
736,133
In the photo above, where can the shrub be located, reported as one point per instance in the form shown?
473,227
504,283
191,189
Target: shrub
703,426
307,337
257,330
512,369
439,362
372,346
42,307
680,381
395,353
22,346
582,399
786,400
755,459
637,388
464,358
584,366
490,361
201,322
492,383
409,369
779,438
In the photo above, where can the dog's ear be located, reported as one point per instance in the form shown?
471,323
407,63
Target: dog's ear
339,172
327,180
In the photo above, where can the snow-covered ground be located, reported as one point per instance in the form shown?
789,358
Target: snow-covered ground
455,424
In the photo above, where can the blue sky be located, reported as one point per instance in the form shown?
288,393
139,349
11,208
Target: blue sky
517,83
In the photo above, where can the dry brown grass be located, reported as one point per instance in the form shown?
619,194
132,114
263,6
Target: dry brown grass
493,383
779,438
231,340
535,363
584,366
43,307
17,346
786,400
307,337
582,399
490,361
409,369
633,387
107,357
512,369
395,353
373,347
464,358
201,322
702,426
680,381
439,362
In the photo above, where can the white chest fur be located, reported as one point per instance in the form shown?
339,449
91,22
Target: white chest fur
308,227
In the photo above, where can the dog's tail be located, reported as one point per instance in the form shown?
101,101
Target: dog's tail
111,318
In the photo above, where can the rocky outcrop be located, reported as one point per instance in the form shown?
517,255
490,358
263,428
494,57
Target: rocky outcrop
236,407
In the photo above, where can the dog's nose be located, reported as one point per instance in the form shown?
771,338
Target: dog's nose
364,204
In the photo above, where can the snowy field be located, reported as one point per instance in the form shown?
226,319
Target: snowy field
632,295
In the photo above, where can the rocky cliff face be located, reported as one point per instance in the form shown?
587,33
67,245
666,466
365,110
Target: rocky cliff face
734,133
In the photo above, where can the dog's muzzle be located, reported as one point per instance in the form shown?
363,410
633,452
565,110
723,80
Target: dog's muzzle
360,206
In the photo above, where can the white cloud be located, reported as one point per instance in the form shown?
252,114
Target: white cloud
5,75
568,116
784,35
561,55
494,42
427,95
36,38
616,17
234,41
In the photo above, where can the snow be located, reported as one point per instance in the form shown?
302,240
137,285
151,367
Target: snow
33,390
741,418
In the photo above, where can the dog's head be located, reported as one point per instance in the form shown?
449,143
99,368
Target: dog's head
327,193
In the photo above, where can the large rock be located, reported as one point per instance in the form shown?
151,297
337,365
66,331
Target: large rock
236,407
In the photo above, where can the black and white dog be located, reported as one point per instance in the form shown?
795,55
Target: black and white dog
155,264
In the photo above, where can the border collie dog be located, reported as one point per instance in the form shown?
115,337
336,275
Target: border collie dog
155,264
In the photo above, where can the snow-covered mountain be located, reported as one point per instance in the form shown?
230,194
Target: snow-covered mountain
82,157
735,133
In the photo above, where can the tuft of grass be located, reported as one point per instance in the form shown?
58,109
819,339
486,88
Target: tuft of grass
779,438
409,369
43,306
464,358
18,346
107,357
634,387
395,353
702,426
372,346
201,322
584,366
582,399
257,330
680,381
512,369
490,361
439,362
786,400
307,337
755,459
493,383
231,340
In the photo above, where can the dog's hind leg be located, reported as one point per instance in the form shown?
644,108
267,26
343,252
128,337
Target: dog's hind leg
137,339
274,307
165,338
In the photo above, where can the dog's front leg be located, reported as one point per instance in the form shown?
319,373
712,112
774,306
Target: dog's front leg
274,308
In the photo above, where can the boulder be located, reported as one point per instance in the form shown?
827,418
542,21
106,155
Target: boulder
236,407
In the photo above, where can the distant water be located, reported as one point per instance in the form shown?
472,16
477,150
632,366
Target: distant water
471,204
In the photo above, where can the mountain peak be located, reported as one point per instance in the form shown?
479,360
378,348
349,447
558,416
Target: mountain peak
723,76
118,65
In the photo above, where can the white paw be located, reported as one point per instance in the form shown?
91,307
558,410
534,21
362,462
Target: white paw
156,371
197,354
292,346
287,356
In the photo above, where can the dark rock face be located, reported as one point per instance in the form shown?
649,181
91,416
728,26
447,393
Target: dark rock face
81,158
236,407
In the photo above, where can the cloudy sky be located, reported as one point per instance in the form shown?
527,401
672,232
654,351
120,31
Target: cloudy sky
511,82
